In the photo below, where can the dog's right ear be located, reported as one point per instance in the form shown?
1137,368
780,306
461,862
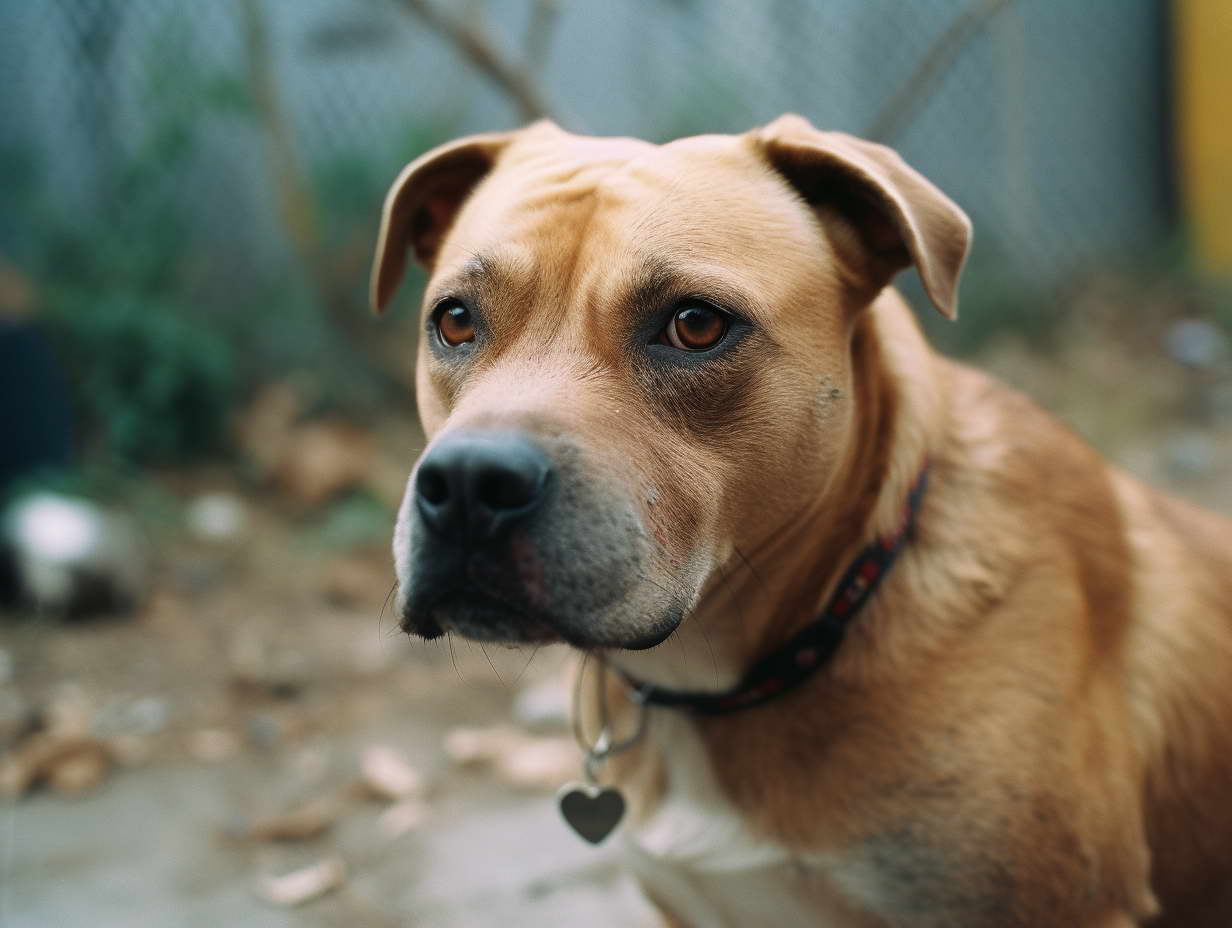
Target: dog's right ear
423,203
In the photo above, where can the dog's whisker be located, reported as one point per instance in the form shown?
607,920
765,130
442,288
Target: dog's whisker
490,664
751,569
452,657
526,666
385,605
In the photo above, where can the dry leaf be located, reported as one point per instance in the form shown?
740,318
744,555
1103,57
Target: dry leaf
322,459
476,746
79,771
520,759
539,763
303,823
303,885
386,774
69,763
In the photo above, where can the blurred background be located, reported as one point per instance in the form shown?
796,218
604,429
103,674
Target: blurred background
206,713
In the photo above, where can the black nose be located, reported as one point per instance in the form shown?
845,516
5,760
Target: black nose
472,486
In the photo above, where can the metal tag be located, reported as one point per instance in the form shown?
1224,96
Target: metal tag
592,811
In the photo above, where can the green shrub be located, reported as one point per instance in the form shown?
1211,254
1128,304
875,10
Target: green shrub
153,383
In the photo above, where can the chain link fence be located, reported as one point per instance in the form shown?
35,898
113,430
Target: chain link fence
230,157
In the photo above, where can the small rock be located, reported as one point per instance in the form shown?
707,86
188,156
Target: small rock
148,715
1197,343
216,517
303,885
264,731
71,557
386,774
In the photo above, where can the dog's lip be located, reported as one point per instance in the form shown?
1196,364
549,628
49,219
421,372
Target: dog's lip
433,620
653,640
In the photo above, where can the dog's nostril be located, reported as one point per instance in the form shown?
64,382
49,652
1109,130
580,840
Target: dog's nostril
473,486
432,485
507,488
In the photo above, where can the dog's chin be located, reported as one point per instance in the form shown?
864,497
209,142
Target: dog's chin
483,618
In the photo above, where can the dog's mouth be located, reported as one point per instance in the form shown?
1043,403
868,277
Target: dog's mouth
480,616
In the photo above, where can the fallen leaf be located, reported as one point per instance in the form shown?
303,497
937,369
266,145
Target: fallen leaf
520,759
386,774
539,763
303,823
303,885
79,771
323,458
70,763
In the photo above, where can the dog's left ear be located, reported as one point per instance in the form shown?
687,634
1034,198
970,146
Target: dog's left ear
901,217
423,203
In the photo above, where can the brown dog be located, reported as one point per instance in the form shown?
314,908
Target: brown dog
670,395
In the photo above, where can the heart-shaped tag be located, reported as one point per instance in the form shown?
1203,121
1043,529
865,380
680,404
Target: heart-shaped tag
592,811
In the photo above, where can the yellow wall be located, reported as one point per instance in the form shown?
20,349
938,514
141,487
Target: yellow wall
1204,87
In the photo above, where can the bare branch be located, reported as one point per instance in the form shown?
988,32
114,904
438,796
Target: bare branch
539,32
487,58
895,115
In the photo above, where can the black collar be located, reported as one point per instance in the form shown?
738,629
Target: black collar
812,647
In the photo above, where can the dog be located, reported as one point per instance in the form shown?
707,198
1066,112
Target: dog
906,650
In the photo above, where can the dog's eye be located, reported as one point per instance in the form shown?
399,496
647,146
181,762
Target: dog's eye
695,326
455,324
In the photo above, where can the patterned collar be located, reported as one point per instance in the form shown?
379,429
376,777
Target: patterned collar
811,648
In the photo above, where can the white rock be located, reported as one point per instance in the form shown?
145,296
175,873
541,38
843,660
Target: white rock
216,517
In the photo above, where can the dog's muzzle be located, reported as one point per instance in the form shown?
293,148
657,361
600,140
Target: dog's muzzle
512,536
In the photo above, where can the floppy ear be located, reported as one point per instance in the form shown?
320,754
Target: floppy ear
901,217
422,204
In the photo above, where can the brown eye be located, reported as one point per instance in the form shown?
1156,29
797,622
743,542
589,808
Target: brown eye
455,325
695,327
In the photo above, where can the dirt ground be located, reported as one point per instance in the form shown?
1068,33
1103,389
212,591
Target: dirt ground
261,714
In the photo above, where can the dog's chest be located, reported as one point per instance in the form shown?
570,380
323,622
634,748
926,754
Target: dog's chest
697,858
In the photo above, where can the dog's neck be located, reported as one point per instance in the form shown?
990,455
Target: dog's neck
765,592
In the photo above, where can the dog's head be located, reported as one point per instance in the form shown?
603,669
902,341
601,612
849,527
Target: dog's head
634,357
